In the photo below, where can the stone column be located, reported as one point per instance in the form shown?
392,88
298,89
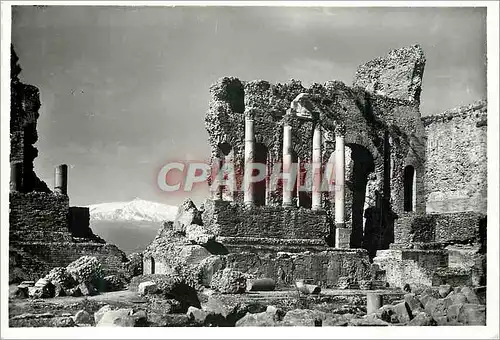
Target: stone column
16,176
287,163
316,163
248,196
61,179
341,234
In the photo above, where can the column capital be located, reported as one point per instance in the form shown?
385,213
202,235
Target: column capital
340,130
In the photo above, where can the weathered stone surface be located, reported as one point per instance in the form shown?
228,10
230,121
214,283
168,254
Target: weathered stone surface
367,322
116,318
264,284
168,320
470,295
134,266
209,266
98,315
147,287
82,317
403,312
187,215
398,75
263,319
198,234
87,269
467,314
112,283
413,303
444,290
346,282
87,289
229,281
304,317
193,254
61,276
422,319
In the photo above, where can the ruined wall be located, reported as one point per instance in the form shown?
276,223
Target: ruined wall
397,75
24,106
324,268
456,166
233,220
460,227
412,266
37,258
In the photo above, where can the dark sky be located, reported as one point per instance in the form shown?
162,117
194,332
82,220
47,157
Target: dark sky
125,89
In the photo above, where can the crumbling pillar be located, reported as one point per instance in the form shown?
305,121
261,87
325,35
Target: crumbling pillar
248,194
316,163
61,179
342,235
287,164
16,176
373,302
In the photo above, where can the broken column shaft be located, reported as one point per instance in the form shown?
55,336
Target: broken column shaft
287,164
16,176
340,232
61,179
316,163
248,195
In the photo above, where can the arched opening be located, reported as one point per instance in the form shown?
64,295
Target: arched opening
259,187
408,183
359,163
152,271
304,185
225,156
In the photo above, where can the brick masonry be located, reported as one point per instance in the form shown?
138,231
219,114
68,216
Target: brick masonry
456,160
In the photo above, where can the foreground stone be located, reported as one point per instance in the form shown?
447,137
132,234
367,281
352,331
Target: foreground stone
106,317
148,287
229,281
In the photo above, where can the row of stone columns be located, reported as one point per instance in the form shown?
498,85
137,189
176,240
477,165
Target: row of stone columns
60,178
339,172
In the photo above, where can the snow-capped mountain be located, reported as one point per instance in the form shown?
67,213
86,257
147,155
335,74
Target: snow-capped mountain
135,210
130,225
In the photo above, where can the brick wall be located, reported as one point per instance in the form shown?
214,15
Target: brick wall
446,228
234,220
456,164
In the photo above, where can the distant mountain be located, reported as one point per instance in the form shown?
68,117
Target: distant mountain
130,225
135,210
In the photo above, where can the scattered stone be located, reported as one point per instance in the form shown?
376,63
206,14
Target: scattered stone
208,267
305,288
47,288
199,316
373,302
470,295
403,312
112,283
216,306
187,215
82,317
304,317
64,321
457,298
35,292
75,292
229,281
167,320
422,319
60,276
265,284
116,318
86,269
367,322
444,290
276,313
87,289
59,290
413,303
263,319
148,287
98,315
346,282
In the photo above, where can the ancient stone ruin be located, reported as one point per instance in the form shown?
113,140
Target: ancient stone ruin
44,231
409,205
398,237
